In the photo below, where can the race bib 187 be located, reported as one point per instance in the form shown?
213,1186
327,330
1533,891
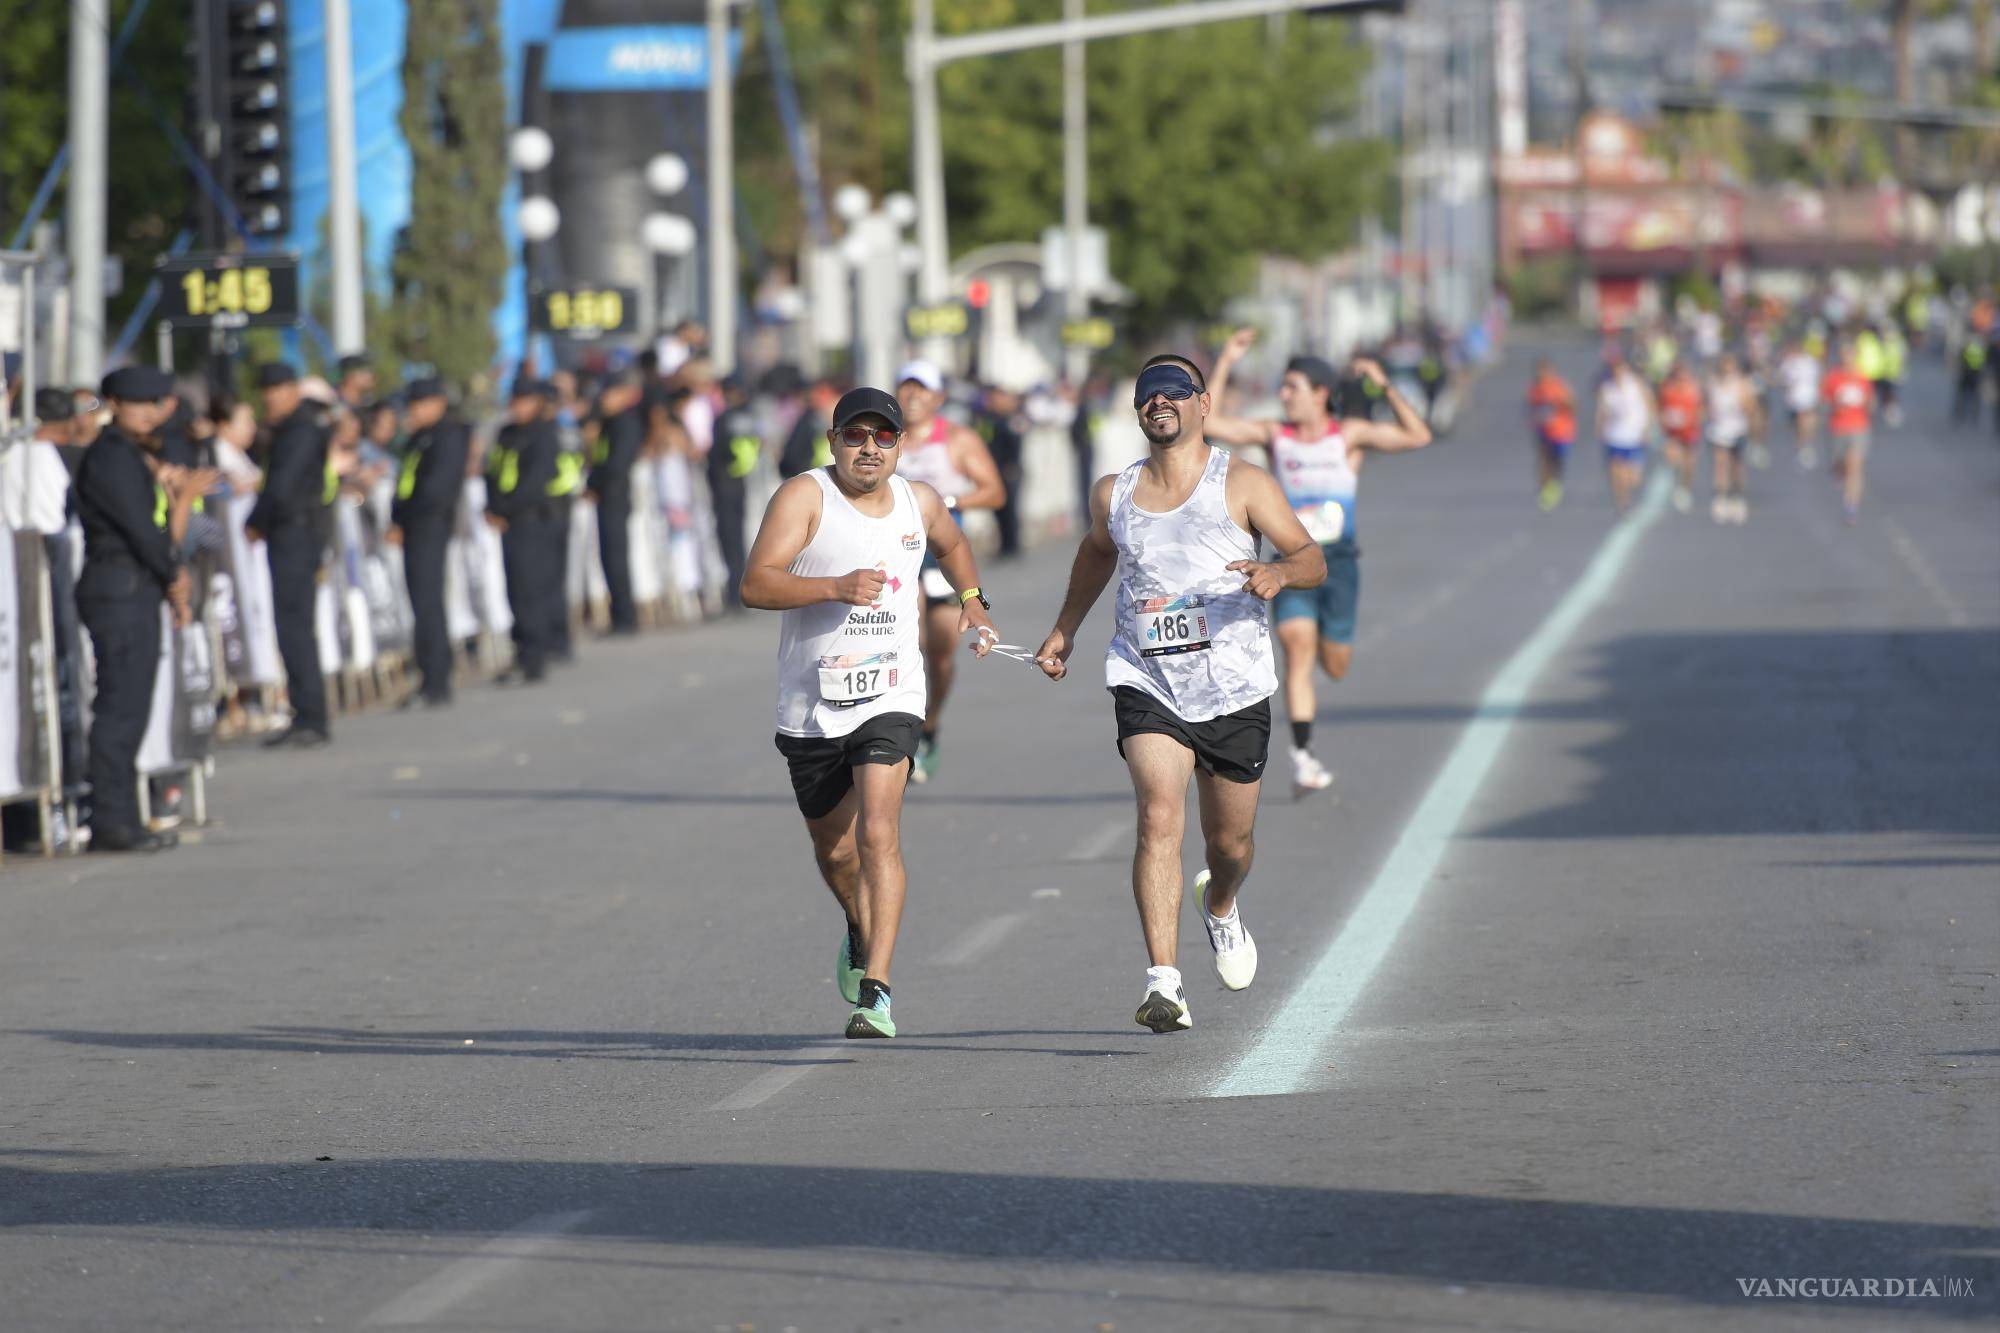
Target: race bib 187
856,678
1163,626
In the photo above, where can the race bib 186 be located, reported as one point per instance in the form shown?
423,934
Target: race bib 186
856,678
1163,626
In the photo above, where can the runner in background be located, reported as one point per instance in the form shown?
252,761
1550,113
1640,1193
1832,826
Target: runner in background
1316,457
952,460
1552,409
1625,417
1850,398
1680,423
1734,417
1799,381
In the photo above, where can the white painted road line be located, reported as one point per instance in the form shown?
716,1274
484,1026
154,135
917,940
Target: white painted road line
1288,1056
767,1085
1100,844
494,1260
1920,569
980,938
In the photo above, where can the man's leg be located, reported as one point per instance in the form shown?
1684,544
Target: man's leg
878,838
1228,825
1297,635
125,636
840,859
1160,767
614,550
423,569
294,556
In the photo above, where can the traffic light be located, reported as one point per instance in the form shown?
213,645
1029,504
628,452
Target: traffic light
245,114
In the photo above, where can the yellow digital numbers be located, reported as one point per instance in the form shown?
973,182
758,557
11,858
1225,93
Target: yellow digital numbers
937,321
584,310
230,291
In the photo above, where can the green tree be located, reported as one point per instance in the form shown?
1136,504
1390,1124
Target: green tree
151,194
450,270
1208,146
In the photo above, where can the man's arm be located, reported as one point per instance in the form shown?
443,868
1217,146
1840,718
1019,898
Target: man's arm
441,471
1221,429
1096,561
974,461
954,556
1303,564
126,496
768,581
1407,431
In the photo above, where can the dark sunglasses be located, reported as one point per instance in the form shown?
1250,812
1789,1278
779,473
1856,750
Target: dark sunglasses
856,436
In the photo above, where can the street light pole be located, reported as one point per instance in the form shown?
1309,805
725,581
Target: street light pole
343,202
1076,205
89,92
721,193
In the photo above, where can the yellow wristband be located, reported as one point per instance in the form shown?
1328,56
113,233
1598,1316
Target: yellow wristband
968,594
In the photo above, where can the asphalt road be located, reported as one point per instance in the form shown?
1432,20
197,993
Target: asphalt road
1669,961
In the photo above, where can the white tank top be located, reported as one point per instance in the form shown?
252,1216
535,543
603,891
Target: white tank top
929,461
1624,411
1319,480
1187,633
1727,421
840,665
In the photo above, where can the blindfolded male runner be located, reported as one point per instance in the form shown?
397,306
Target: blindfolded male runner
1190,667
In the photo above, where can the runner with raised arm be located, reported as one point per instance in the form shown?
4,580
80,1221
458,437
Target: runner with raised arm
1317,459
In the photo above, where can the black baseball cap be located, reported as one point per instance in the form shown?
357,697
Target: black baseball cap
533,388
430,386
138,384
54,405
865,402
352,362
272,374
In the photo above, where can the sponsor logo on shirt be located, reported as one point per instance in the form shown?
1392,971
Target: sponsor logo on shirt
913,541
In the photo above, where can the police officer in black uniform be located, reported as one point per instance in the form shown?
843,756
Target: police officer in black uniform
731,462
529,479
621,436
129,566
427,492
288,520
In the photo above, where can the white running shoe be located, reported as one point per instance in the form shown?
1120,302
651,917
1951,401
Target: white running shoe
1308,773
1164,1006
1683,499
1235,951
1718,509
1739,510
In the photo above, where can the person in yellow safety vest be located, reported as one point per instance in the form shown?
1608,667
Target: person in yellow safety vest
1971,366
429,483
738,449
621,438
289,519
1917,315
530,480
1895,362
1660,356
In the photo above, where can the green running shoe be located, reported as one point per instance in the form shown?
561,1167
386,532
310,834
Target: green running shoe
846,971
871,1012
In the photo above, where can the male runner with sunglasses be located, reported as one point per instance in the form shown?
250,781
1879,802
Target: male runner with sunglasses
839,553
1190,667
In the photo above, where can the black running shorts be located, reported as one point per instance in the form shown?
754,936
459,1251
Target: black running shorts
1233,746
822,766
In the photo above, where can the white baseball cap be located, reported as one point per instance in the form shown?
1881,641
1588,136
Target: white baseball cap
924,373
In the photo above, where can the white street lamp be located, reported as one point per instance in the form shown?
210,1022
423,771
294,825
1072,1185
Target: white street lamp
539,217
667,174
851,202
667,234
901,208
532,148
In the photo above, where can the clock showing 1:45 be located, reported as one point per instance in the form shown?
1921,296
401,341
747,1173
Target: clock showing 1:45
232,291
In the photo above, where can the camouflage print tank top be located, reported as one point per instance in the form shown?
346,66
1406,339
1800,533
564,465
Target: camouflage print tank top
1187,633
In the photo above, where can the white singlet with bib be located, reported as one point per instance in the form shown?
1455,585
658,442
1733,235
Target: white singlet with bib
1318,479
930,462
1728,423
840,665
1187,632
